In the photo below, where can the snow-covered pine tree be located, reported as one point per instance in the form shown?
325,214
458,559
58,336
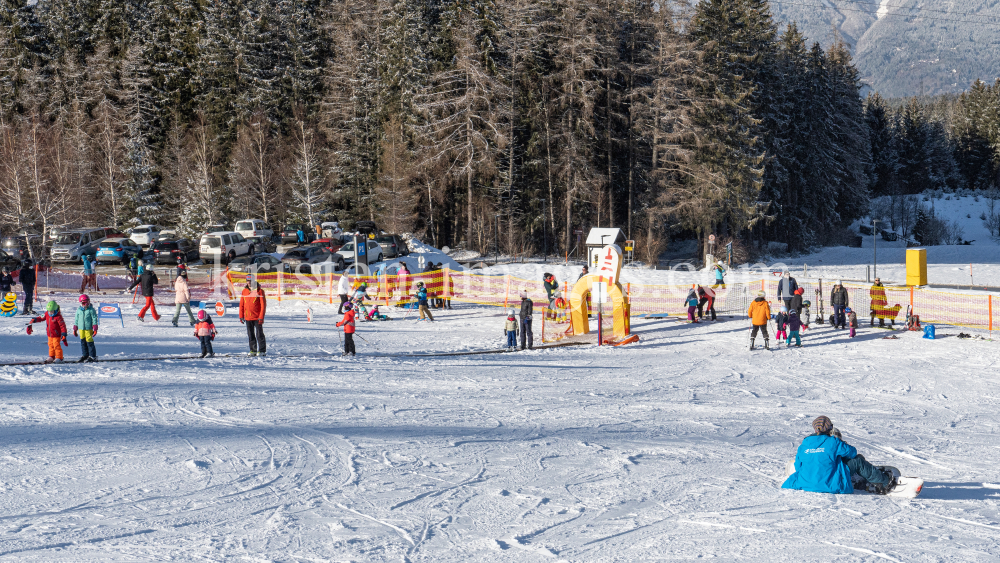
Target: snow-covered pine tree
252,169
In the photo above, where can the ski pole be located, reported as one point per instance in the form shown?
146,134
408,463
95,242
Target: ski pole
366,341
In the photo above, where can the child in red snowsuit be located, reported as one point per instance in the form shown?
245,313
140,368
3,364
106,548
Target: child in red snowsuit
205,332
348,323
55,329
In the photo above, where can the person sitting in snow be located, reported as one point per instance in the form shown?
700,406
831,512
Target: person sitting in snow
824,463
510,331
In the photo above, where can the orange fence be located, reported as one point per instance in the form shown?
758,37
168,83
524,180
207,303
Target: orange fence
967,310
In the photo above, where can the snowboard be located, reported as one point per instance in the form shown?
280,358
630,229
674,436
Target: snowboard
906,487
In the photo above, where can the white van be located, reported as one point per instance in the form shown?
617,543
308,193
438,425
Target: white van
72,245
254,228
224,244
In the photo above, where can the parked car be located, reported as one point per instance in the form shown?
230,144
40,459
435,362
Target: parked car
253,228
145,235
9,261
54,232
217,229
393,246
117,249
374,251
224,245
332,244
313,260
16,246
263,245
258,263
175,251
72,245
290,233
167,234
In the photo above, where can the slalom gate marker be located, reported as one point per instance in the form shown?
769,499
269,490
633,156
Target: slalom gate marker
220,308
110,311
309,315
8,307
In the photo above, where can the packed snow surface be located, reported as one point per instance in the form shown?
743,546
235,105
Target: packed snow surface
668,449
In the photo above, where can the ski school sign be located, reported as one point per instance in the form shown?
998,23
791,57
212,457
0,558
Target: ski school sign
110,311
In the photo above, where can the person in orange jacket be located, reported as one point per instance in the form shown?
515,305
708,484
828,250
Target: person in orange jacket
759,313
348,323
253,306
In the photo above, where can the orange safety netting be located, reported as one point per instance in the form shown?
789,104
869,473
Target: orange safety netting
888,303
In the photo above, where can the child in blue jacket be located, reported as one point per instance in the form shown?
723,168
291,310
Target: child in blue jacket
824,464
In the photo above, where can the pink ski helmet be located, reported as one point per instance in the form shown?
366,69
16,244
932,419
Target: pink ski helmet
201,315
83,298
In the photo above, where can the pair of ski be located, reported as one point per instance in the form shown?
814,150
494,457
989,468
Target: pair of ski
906,487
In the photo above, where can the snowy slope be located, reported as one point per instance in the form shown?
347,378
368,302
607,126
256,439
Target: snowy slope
667,450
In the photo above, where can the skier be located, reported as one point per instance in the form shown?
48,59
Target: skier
26,277
852,321
182,297
825,464
720,280
85,327
343,288
692,303
759,313
551,288
510,331
55,330
527,308
422,302
253,306
89,274
6,281
583,272
147,280
786,289
133,267
205,332
780,322
840,299
795,303
794,325
348,323
706,301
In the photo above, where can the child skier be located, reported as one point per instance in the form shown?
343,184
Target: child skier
205,331
780,321
55,329
6,282
348,323
852,321
510,330
692,302
805,317
422,302
85,326
759,313
794,325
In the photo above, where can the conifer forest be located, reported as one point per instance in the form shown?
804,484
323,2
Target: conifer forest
462,121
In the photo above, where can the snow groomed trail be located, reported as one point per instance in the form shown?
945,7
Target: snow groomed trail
668,449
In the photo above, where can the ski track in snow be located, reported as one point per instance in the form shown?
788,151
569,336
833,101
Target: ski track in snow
669,449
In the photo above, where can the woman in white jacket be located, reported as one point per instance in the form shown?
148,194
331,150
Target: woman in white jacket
343,289
182,297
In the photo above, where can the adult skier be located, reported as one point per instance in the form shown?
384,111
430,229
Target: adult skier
147,280
840,301
26,276
759,313
343,290
786,289
253,306
182,298
824,463
527,308
706,302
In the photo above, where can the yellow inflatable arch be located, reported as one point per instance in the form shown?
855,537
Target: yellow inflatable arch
579,309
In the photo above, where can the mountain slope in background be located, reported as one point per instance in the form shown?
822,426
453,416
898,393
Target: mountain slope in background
907,47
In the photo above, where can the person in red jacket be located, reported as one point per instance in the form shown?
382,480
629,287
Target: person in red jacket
253,305
55,329
205,332
348,323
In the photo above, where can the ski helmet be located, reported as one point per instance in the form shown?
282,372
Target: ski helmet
201,315
848,310
761,294
52,306
420,284
512,312
807,303
84,298
348,306
783,309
